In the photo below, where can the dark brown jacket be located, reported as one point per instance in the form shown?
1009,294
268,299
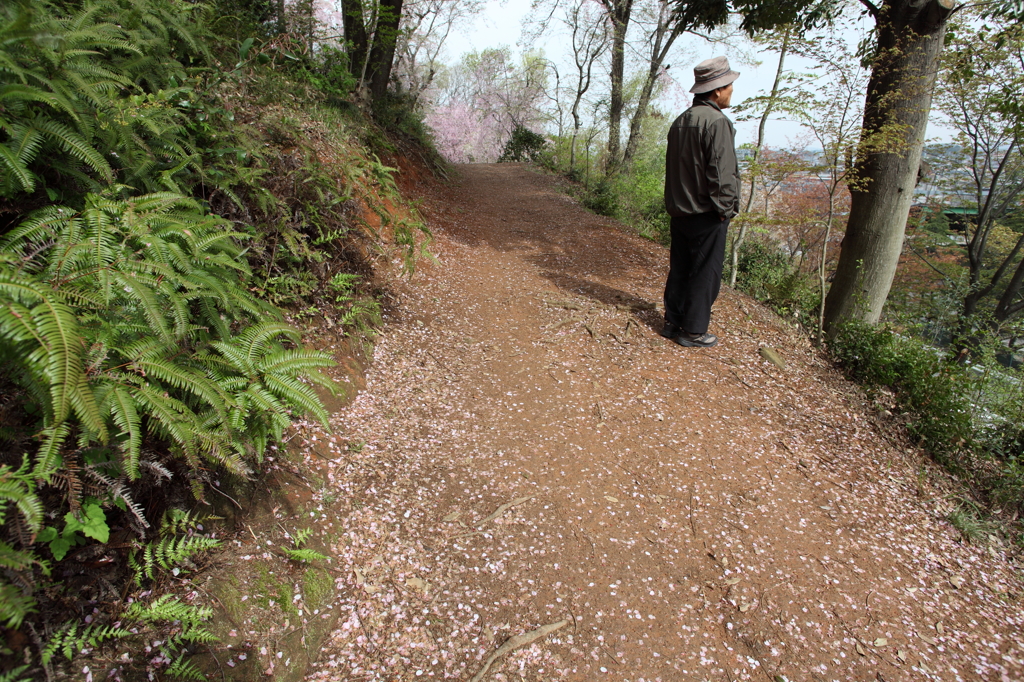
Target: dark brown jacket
701,172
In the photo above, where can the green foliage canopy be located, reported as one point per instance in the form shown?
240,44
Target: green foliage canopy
757,15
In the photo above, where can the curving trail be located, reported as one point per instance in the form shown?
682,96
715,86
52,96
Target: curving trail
528,451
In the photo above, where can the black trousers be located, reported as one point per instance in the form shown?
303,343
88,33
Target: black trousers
695,270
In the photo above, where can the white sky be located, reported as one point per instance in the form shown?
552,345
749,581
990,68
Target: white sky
500,23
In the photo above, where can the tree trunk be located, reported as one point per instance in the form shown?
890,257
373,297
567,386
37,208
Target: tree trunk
824,255
282,21
355,35
382,54
587,45
737,241
910,37
1009,303
619,12
664,37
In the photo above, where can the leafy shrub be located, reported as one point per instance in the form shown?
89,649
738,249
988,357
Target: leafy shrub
936,222
933,391
397,112
1007,484
602,199
761,268
523,145
329,72
641,203
1006,441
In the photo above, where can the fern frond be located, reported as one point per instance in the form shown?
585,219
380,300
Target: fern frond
170,552
294,362
16,167
77,146
168,416
256,340
302,536
167,608
52,327
294,392
157,469
14,559
15,674
193,632
303,554
237,358
185,379
263,399
15,605
134,507
150,303
123,410
48,456
70,641
17,486
42,225
184,669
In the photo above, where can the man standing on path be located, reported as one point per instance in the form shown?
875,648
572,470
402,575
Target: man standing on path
702,193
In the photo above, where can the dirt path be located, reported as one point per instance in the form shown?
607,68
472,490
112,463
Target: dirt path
688,514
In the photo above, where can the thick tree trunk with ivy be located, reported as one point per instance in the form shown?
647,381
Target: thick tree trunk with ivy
910,37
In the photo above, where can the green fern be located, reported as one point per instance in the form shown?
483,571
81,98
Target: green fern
184,669
300,553
15,675
129,268
127,321
15,605
36,326
305,554
302,536
95,96
187,627
180,625
172,550
69,640
169,609
17,492
16,487
168,553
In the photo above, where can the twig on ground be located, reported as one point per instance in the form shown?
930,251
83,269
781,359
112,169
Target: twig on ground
733,372
502,509
689,515
214,488
517,642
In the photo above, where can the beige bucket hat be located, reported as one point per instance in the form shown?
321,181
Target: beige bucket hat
711,74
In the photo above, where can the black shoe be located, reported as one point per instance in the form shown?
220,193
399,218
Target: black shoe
689,340
670,331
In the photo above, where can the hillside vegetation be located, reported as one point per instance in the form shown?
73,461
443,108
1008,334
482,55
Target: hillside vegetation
167,199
